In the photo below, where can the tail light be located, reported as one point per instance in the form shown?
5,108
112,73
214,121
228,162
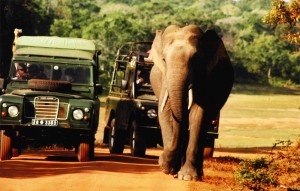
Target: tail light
214,122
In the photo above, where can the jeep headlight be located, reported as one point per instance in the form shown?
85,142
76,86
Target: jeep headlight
78,114
151,113
13,111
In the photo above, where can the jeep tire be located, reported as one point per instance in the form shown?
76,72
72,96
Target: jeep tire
137,141
5,146
83,152
116,140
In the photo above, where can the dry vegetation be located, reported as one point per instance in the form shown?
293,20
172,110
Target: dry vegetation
218,175
276,170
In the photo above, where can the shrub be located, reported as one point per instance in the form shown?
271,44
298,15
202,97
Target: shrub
281,169
257,174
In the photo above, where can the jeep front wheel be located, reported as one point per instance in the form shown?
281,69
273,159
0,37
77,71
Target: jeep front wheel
5,146
83,152
116,140
137,141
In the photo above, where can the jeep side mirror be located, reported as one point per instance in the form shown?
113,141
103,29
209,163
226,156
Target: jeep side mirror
98,89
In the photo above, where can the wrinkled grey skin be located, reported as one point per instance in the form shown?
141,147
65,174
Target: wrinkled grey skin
188,59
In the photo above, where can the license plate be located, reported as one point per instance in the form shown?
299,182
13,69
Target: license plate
44,122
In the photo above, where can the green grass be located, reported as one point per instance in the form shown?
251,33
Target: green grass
264,90
257,116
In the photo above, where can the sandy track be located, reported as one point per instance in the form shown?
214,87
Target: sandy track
39,170
59,170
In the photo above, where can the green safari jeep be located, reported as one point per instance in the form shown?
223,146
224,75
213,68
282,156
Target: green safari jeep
51,96
131,106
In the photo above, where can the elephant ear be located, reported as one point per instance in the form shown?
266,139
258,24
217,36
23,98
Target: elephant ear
160,45
213,49
156,53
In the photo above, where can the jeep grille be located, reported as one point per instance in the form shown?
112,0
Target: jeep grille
46,107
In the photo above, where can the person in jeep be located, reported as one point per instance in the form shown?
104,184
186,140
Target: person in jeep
143,77
70,75
34,72
21,71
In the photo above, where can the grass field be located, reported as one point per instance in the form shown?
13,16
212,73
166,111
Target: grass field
257,116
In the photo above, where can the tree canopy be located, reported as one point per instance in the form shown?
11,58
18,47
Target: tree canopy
287,14
251,30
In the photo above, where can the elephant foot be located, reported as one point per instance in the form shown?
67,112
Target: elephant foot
169,164
189,172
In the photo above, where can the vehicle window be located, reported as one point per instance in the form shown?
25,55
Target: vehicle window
71,73
77,74
27,71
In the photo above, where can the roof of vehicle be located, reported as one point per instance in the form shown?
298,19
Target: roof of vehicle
55,46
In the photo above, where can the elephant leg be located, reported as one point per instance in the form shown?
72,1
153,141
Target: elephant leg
170,159
192,168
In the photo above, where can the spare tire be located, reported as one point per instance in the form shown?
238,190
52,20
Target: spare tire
51,85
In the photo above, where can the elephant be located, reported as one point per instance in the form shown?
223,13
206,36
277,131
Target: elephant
192,78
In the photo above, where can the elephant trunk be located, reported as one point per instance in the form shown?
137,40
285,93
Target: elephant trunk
176,109
178,93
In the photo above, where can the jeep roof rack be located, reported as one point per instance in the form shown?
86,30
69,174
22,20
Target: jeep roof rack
55,46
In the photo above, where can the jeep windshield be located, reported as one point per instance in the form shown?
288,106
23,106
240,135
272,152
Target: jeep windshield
21,71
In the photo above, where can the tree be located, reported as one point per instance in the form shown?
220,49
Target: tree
288,14
72,16
269,58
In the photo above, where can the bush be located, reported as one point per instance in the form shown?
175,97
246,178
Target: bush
281,169
258,174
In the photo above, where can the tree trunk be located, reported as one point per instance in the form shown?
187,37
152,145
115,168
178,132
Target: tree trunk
270,76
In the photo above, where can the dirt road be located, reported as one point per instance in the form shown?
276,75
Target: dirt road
58,170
